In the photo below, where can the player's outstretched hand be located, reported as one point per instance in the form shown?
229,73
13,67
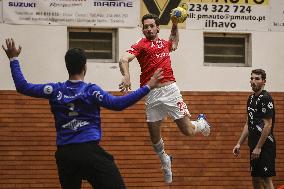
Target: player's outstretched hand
125,84
11,50
155,79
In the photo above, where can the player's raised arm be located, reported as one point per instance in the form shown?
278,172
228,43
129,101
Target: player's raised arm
174,36
125,84
178,15
22,86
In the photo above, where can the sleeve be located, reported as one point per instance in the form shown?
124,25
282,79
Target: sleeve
29,89
267,107
106,100
136,48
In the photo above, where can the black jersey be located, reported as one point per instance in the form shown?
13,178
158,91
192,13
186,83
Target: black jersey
258,108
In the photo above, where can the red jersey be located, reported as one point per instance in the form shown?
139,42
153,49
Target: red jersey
152,55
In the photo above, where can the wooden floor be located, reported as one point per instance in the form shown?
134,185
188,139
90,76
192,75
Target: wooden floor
27,144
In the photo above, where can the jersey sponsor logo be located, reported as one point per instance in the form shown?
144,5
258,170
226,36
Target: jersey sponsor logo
59,95
161,55
75,124
98,95
265,169
159,44
270,105
73,96
48,89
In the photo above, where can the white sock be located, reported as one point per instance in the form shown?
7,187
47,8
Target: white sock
198,126
159,149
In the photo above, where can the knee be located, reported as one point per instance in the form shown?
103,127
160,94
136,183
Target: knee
258,182
155,139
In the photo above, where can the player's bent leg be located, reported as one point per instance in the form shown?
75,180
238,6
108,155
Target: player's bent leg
185,126
70,181
155,131
158,145
100,169
68,169
190,128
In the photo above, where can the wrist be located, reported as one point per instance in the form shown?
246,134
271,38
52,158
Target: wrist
174,25
13,58
257,147
148,86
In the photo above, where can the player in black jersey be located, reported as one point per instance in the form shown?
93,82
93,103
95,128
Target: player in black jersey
259,130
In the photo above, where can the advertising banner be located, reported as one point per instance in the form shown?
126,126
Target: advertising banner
276,15
228,15
101,13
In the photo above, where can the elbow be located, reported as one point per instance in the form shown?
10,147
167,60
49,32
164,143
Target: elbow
22,91
19,88
123,61
123,65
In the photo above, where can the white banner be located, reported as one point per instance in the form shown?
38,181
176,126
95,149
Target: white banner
228,15
102,13
276,15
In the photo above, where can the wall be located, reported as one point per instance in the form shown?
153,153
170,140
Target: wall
27,144
26,125
45,46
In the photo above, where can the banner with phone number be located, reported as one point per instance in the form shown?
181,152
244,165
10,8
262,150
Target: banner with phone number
228,15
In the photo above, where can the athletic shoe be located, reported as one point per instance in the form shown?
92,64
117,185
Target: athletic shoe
201,118
167,170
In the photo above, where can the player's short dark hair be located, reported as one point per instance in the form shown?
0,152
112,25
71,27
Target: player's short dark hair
75,60
151,16
259,72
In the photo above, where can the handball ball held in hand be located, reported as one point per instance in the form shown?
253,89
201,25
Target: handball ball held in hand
179,14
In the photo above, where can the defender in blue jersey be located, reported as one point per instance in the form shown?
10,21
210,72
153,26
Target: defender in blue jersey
76,109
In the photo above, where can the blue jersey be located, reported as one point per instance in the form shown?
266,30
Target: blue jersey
75,105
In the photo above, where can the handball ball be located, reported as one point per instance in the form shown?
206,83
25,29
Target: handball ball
180,13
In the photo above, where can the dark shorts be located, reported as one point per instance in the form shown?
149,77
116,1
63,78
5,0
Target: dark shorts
264,166
90,162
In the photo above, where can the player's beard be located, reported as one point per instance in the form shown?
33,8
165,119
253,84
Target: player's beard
255,87
151,35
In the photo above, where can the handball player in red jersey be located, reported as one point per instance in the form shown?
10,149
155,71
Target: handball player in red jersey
166,100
